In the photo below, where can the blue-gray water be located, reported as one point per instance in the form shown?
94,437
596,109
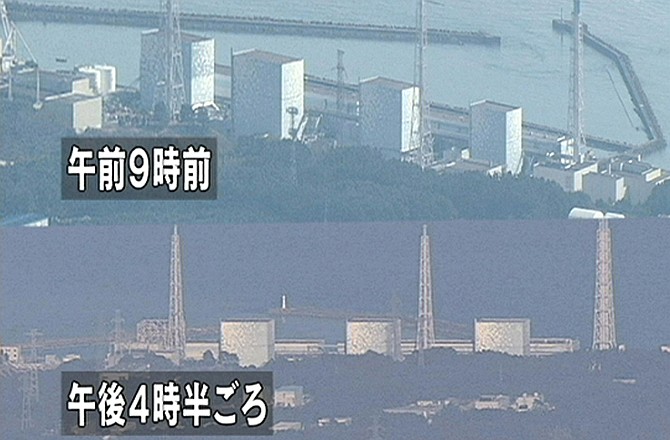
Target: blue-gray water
530,70
69,280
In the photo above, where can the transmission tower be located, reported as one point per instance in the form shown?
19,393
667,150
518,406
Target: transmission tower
576,106
176,339
30,386
425,332
422,139
604,331
174,95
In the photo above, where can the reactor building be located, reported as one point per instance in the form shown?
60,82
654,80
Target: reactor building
198,58
496,134
388,114
251,340
511,336
378,335
267,94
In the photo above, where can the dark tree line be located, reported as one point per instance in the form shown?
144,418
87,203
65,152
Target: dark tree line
261,180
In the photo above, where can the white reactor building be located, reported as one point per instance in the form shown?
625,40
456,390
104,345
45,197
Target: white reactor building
511,336
252,340
267,93
198,56
496,134
388,115
378,335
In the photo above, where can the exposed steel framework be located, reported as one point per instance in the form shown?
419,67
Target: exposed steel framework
176,338
421,134
174,95
30,389
604,329
576,107
425,333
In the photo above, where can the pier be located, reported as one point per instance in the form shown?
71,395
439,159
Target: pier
250,25
637,95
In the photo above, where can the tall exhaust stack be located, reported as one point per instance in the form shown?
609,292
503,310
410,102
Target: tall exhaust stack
604,329
425,333
575,117
176,340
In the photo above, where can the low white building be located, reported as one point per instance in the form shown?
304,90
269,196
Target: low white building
640,178
196,350
569,177
609,188
291,396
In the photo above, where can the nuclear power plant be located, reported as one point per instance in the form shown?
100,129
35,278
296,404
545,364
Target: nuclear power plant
253,341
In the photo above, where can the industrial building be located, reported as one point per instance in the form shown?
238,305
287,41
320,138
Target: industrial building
551,346
470,166
299,348
152,333
609,188
102,78
378,335
640,177
460,346
10,353
73,111
496,134
198,57
291,396
267,94
197,350
510,335
569,176
251,340
388,115
66,101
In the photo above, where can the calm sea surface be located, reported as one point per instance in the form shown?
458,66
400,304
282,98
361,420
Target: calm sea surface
531,69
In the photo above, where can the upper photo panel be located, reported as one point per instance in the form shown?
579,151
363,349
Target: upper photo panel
202,111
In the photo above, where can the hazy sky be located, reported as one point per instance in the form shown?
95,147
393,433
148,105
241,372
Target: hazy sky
69,280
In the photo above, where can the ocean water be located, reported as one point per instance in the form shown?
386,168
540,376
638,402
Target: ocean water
531,68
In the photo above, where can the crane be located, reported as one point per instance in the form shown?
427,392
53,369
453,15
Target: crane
10,60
